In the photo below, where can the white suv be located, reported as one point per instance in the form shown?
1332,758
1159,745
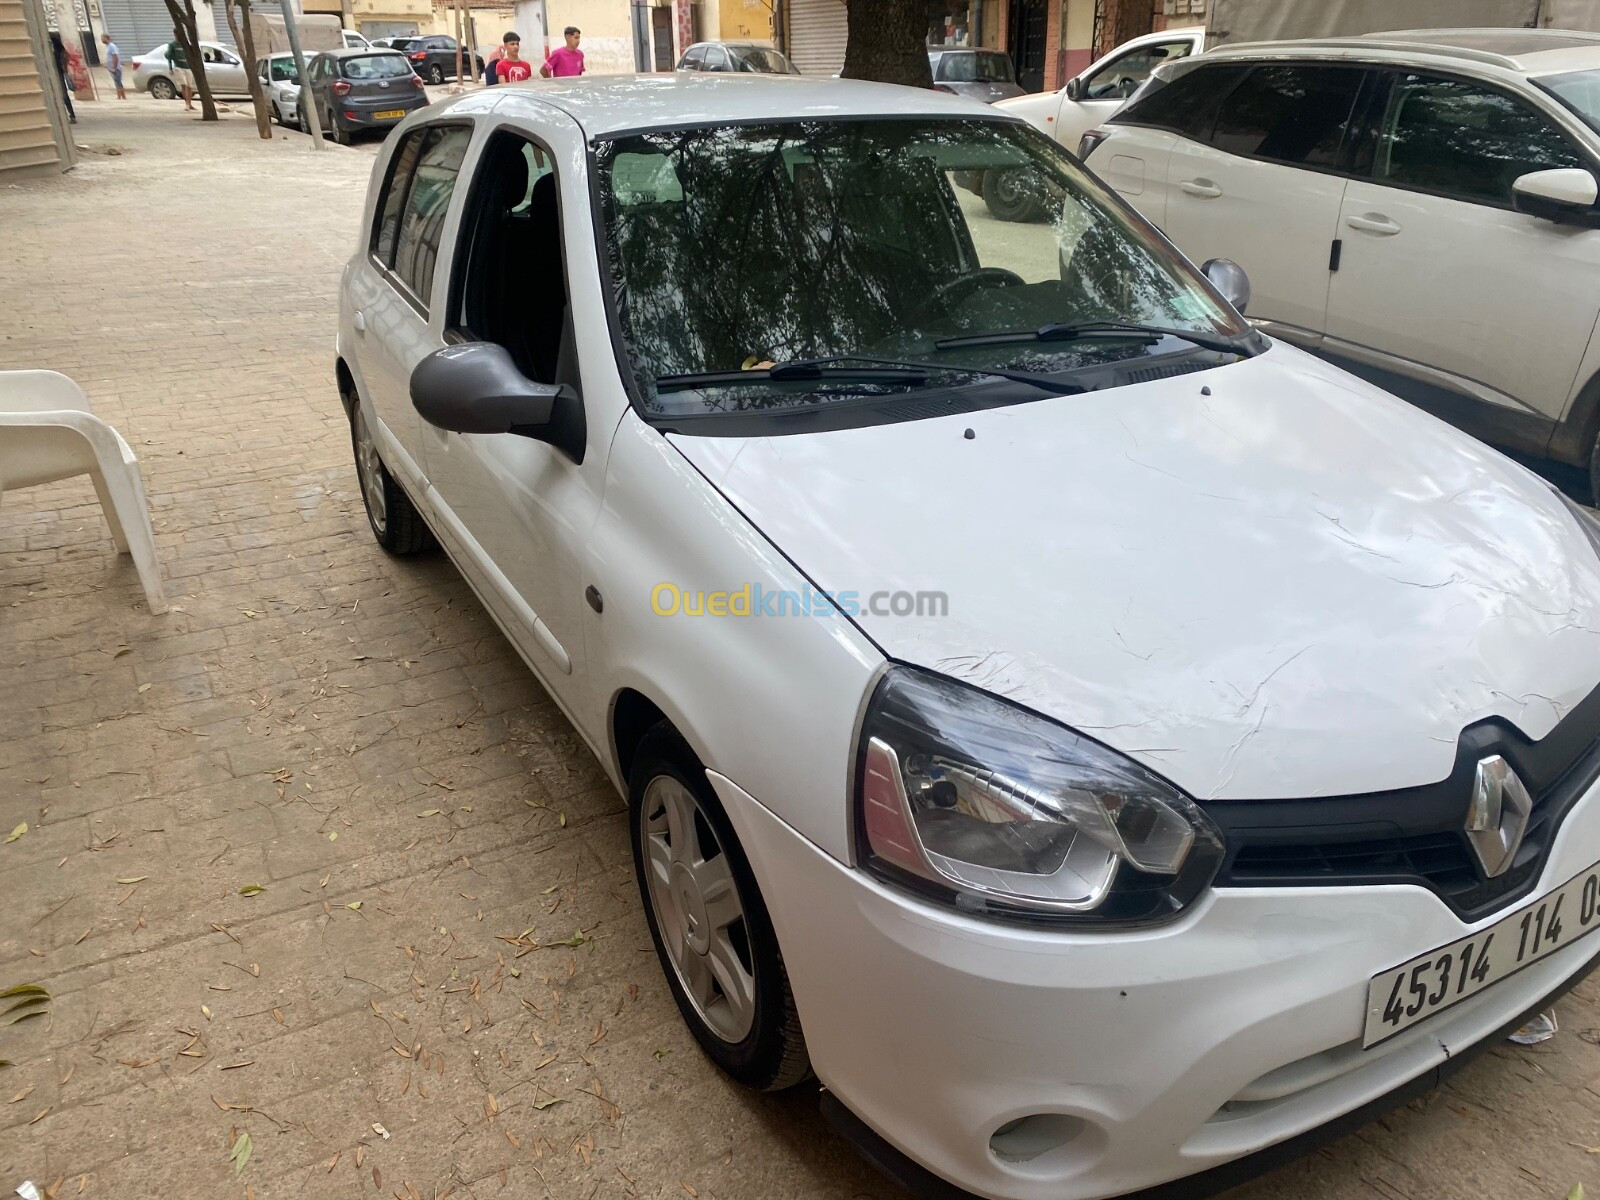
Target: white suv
1417,207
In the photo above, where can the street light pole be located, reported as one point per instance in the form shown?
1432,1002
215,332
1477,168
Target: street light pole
308,111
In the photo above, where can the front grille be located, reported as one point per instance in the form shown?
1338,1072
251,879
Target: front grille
1416,835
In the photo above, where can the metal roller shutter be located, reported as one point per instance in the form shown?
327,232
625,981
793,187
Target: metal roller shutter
138,26
817,34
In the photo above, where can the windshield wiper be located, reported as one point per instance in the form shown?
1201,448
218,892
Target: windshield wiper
1073,331
907,372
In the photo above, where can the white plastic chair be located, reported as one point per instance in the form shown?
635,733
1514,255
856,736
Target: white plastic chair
49,432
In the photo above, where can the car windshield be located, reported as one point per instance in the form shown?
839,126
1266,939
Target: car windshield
975,68
282,70
376,66
746,246
1579,91
758,58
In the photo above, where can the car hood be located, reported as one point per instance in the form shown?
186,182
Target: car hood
1267,579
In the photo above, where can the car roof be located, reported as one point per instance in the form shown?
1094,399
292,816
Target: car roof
1510,50
745,45
964,50
610,104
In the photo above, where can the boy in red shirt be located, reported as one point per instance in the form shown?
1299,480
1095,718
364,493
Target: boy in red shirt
565,60
513,68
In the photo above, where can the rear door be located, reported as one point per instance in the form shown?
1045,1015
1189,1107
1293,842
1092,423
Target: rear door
391,288
1265,187
1440,274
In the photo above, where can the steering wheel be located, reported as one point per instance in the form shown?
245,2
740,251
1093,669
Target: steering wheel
953,290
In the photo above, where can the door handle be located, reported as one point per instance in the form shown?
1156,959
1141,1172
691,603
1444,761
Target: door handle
1201,187
1373,223
359,321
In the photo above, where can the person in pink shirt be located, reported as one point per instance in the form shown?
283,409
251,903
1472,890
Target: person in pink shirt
565,60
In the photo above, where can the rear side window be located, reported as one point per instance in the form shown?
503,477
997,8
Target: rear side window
415,204
427,201
1289,114
1464,141
695,58
1187,105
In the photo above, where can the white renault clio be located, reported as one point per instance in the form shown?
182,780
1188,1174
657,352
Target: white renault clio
1104,744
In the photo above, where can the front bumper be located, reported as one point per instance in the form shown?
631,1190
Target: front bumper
1143,1057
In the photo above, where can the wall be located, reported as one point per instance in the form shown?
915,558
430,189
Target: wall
32,136
1077,36
607,33
737,20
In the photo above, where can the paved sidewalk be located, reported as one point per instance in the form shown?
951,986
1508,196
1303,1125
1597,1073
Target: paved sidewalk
351,735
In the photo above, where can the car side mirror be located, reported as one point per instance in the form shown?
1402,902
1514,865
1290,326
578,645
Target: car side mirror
1075,89
1566,196
476,387
1228,277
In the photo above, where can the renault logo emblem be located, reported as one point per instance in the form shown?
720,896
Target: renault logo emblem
1498,815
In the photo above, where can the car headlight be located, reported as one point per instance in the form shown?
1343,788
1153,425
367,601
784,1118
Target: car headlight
1000,811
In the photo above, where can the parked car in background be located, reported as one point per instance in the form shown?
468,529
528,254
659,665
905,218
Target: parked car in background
1091,97
358,90
753,57
1103,742
225,72
433,56
354,40
280,84
985,75
1418,207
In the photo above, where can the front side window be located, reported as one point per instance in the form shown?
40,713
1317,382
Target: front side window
283,70
415,202
737,247
1289,114
1463,140
1122,77
695,59
377,66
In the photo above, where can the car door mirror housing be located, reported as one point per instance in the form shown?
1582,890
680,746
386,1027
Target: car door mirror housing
1074,89
477,387
1566,195
1228,277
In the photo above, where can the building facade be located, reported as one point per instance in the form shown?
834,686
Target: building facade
33,122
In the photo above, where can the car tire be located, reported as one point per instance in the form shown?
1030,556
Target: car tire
1007,201
161,88
394,520
752,1031
341,134
436,74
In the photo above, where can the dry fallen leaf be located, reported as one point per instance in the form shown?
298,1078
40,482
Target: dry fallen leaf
251,889
205,1011
133,879
687,1188
380,1131
21,829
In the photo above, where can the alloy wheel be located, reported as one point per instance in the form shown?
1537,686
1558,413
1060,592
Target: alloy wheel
697,909
370,467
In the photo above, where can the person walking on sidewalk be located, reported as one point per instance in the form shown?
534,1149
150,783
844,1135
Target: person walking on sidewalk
64,71
114,64
178,64
512,68
565,60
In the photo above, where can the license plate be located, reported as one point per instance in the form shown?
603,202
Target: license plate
391,114
1401,996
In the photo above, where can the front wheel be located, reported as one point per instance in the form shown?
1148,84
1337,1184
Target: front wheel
709,923
395,522
1007,195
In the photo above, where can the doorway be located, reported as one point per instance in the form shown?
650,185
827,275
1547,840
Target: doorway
1029,20
661,37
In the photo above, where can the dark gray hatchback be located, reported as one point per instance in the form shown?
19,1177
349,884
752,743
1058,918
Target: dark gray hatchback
361,89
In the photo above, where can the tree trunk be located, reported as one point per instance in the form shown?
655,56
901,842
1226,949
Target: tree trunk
247,46
183,28
888,42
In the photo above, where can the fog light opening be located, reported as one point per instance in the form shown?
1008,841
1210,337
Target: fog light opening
1026,1138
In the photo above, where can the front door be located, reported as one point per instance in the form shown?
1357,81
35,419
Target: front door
520,510
1106,85
1439,271
1264,188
